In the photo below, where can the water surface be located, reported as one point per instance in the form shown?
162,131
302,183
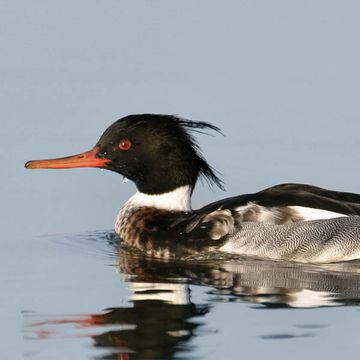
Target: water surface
198,309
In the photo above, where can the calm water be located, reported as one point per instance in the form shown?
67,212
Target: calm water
160,310
282,81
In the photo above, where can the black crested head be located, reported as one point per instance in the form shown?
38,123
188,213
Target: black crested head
158,152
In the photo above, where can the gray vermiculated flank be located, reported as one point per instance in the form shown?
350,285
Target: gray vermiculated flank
330,240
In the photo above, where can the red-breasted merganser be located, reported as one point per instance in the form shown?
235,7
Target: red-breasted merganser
160,155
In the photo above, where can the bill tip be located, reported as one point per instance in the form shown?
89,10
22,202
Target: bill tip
28,165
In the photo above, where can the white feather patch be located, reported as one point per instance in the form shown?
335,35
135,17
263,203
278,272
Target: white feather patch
177,294
315,214
311,299
176,200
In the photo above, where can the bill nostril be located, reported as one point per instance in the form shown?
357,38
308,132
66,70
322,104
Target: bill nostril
101,154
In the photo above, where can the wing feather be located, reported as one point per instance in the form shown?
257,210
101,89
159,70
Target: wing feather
295,195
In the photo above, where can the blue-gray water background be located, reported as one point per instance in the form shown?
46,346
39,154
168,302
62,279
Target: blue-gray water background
281,78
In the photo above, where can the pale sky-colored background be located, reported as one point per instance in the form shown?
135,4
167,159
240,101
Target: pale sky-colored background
281,78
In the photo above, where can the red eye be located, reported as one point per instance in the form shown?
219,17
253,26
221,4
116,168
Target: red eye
125,144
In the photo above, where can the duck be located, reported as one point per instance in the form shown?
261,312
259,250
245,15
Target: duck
160,154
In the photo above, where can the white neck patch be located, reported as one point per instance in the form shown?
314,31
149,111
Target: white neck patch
171,293
176,200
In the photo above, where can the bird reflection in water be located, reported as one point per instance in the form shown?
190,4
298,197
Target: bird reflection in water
160,329
163,318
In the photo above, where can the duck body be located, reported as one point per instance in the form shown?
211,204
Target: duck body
158,153
240,225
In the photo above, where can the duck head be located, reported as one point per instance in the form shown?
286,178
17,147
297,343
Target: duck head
157,152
